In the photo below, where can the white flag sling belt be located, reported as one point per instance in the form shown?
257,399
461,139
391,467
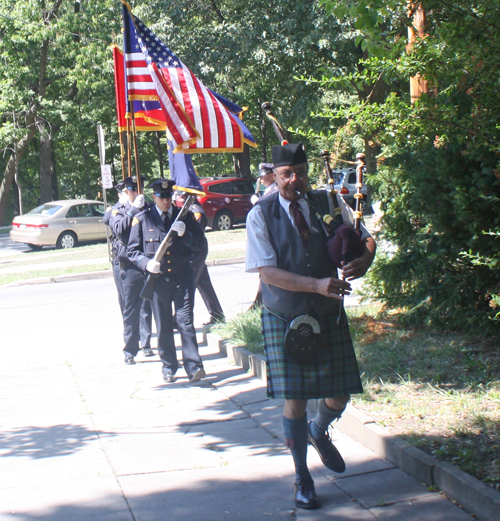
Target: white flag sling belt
149,285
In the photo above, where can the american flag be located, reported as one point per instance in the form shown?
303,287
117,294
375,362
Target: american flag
197,120
148,115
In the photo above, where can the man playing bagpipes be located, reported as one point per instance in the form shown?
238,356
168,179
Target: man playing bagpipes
306,334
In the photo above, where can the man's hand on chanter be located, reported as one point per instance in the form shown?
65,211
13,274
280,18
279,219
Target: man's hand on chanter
356,268
334,288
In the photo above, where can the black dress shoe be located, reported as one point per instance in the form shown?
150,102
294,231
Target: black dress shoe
327,451
305,495
197,374
129,359
168,378
147,352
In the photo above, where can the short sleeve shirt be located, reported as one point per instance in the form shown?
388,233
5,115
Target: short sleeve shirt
259,252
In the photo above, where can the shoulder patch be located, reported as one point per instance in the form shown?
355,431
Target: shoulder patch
135,221
114,212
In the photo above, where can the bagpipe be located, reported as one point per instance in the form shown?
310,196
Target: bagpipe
343,242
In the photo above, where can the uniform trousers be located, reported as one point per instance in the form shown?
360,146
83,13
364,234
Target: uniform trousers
118,283
204,285
137,312
181,294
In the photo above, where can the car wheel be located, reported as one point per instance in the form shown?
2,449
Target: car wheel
35,247
66,240
223,221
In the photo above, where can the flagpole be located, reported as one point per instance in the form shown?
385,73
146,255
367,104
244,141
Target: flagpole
129,149
122,153
136,155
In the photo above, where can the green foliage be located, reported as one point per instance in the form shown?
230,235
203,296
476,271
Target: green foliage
437,170
250,53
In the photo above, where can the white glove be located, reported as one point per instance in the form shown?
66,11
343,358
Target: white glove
153,266
179,227
254,198
139,201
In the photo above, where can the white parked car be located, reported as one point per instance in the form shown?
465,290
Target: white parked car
345,184
60,223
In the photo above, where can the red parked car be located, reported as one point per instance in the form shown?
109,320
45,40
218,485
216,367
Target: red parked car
226,201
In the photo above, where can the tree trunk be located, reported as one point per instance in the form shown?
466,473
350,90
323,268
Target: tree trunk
54,181
46,167
242,162
19,148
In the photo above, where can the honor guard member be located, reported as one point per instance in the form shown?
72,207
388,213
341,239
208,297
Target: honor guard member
286,244
137,313
175,283
266,178
115,263
201,276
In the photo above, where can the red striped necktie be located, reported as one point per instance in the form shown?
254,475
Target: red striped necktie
300,223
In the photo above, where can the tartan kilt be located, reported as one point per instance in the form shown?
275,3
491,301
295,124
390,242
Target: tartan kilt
334,373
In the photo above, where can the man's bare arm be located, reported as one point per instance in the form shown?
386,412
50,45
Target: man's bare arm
329,286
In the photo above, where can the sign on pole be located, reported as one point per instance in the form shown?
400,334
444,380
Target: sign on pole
102,147
107,178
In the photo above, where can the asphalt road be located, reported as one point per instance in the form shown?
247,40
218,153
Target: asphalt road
71,315
8,247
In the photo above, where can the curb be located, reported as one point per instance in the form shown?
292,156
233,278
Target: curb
103,274
470,493
62,278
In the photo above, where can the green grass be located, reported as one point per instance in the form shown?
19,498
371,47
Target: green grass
438,390
98,252
53,272
217,237
225,254
94,251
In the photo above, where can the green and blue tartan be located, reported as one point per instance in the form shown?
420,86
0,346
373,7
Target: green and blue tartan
334,373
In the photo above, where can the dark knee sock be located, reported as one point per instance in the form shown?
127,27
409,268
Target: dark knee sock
295,432
324,416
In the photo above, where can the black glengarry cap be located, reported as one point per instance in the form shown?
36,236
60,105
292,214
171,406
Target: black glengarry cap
289,154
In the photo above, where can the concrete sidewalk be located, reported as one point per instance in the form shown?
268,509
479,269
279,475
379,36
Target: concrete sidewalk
108,441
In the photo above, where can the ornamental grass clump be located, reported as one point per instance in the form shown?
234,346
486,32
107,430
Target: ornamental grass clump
243,330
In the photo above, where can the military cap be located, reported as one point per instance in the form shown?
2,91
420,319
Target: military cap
289,154
120,186
163,187
130,183
265,168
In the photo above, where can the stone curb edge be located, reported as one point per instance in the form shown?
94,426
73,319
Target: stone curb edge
470,493
103,274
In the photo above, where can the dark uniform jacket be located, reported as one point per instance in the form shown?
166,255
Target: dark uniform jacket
147,233
120,223
291,256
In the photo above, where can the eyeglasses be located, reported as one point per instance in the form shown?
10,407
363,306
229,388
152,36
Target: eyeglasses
301,173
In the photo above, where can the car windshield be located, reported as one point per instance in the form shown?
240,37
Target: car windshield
45,209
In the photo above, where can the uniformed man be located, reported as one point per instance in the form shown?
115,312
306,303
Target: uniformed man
267,179
136,312
175,283
286,244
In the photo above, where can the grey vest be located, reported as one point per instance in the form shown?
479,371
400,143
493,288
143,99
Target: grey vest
293,257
